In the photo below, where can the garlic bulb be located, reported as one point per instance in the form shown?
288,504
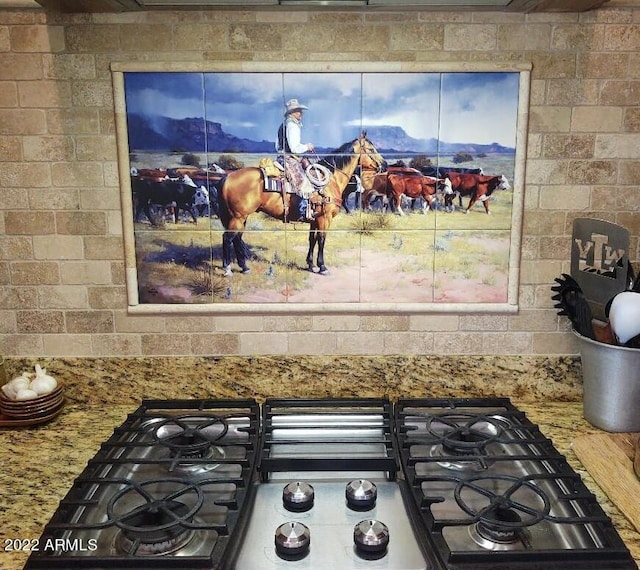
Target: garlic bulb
11,388
26,394
43,383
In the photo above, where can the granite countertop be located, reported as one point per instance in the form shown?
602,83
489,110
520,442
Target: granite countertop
40,463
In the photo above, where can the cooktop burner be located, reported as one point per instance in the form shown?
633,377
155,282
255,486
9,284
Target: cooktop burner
494,492
167,490
423,484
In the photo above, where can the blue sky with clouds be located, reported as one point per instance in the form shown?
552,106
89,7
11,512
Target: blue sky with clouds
456,107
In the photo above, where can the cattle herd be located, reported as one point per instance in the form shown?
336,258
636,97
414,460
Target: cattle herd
192,192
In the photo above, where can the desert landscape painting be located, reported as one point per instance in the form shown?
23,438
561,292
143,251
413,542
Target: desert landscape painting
430,224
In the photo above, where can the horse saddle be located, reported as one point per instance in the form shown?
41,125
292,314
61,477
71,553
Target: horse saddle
274,178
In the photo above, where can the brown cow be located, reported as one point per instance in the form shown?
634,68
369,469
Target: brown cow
395,183
476,186
375,188
413,187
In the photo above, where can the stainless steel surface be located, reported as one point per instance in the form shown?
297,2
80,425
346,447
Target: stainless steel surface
167,491
611,378
144,470
331,523
470,487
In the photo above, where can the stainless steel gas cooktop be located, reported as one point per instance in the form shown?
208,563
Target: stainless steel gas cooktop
432,484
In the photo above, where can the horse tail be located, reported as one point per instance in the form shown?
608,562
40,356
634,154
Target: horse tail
223,209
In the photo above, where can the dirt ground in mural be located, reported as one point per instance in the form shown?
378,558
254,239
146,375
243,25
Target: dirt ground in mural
377,281
381,281
395,266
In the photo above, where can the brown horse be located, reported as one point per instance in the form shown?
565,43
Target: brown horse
243,193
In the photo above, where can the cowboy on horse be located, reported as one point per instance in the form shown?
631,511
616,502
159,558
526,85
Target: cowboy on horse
291,150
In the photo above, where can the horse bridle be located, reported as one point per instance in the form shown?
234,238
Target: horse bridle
363,151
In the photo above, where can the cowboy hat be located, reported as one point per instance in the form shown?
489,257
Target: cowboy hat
293,105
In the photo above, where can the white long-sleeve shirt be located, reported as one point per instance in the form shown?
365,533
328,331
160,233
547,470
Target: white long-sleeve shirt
293,134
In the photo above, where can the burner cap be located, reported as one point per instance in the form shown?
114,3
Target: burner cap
501,525
292,540
190,436
154,531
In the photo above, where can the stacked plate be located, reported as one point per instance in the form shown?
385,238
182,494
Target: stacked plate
38,409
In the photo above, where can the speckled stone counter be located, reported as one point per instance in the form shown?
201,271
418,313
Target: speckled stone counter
121,380
39,464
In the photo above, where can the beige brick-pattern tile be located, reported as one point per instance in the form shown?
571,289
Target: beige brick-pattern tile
617,146
150,37
312,343
22,121
40,322
104,297
37,38
14,297
526,37
284,323
20,66
471,37
8,94
85,272
361,342
95,148
82,174
29,223
507,343
61,236
47,148
5,41
57,247
125,323
16,247
596,119
81,223
103,247
35,273
534,320
214,344
110,344
10,149
165,344
89,321
564,198
408,342
263,343
8,324
238,323
385,323
569,145
66,345
459,343
62,297
25,175
52,199
23,345
73,121
484,323
44,94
